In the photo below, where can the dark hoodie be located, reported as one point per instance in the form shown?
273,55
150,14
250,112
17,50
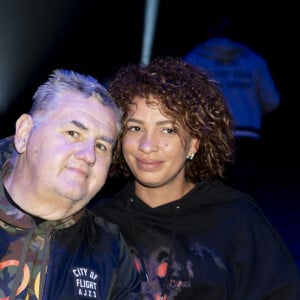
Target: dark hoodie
217,240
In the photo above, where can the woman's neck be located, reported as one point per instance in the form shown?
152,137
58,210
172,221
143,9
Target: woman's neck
157,196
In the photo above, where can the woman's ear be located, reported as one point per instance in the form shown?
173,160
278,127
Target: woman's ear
194,145
24,125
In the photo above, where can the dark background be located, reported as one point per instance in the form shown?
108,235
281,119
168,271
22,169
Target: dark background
97,37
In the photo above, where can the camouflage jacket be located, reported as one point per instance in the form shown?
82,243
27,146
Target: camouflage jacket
80,257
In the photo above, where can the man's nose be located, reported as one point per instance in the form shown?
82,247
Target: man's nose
86,152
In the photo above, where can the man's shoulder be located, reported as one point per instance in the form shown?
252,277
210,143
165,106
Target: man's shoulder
105,234
102,224
6,149
7,144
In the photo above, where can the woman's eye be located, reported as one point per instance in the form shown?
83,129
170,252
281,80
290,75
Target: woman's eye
168,130
133,128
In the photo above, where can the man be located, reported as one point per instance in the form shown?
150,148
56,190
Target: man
51,246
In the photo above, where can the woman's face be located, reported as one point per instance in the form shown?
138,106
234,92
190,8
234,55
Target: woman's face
154,150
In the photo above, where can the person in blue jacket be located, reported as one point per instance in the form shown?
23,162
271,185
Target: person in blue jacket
250,92
51,246
192,236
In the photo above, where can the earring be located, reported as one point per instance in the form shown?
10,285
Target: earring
190,156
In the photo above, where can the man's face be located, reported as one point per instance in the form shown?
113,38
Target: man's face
68,154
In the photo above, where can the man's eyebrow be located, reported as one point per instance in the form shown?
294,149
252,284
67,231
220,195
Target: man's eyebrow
104,138
79,125
107,139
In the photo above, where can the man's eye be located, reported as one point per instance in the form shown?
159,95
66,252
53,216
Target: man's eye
101,147
73,133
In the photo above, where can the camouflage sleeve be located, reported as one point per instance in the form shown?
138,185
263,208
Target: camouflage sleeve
6,149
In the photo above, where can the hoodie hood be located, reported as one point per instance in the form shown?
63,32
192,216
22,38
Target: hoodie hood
203,197
205,193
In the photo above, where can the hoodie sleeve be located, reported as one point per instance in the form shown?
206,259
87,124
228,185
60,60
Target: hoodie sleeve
263,266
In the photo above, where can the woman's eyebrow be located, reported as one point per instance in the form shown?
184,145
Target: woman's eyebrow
163,122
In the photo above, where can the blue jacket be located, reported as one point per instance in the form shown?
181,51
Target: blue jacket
245,79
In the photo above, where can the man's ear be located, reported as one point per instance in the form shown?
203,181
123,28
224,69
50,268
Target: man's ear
24,125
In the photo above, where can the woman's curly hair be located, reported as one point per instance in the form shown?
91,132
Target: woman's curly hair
192,98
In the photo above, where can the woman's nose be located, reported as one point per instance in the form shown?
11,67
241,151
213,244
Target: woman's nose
148,143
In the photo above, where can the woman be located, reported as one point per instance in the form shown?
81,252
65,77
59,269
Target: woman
192,237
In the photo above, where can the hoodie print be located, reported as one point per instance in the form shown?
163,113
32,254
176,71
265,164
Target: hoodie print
189,265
